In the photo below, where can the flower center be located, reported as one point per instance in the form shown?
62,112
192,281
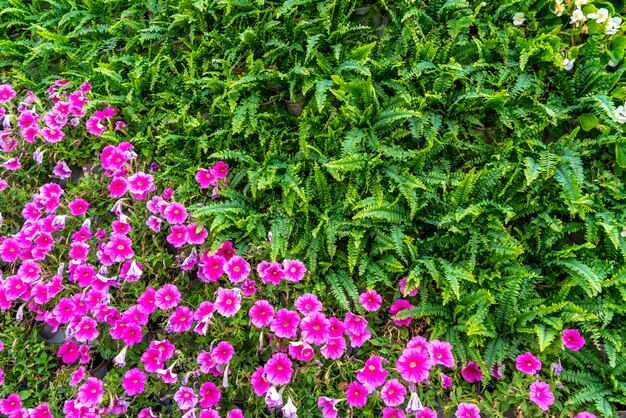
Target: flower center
412,364
229,302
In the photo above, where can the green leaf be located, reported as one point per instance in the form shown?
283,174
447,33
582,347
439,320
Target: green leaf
588,121
620,154
544,336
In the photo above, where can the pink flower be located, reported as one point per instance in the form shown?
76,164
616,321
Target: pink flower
119,248
248,287
197,235
167,297
178,235
258,382
357,338
393,393
372,374
180,320
140,184
86,330
209,395
354,323
62,170
418,342
414,366
237,269
315,328
471,373
134,382
220,169
370,300
151,360
206,178
400,305
185,398
90,393
446,381
118,187
228,302
41,411
12,164
261,313
539,393
308,304
77,376
467,410
211,268
278,369
301,351
154,223
95,126
270,272
334,348
285,323
441,353
328,407
175,213
572,339
528,363
426,413
402,286
68,352
12,403
9,250
585,414
293,270
393,413
6,93
336,328
356,395
223,352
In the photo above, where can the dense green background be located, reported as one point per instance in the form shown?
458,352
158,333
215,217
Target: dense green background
429,139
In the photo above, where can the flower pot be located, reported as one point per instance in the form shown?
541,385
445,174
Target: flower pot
295,107
53,338
101,369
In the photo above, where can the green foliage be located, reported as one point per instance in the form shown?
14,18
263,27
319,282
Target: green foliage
433,140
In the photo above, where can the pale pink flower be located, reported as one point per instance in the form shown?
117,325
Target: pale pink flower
441,353
237,269
540,394
228,301
293,270
185,398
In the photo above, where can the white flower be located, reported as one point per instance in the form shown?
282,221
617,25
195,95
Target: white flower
612,63
580,3
577,16
614,25
559,8
518,19
568,64
620,114
289,410
601,15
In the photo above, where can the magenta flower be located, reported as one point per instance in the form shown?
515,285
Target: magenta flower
261,313
414,366
62,170
270,272
211,268
441,353
372,374
167,297
400,305
12,404
370,300
223,352
209,395
467,410
258,382
446,381
134,382
471,373
118,187
402,286
393,393
77,376
52,135
572,339
206,178
68,352
154,223
95,126
180,320
285,323
185,398
334,348
178,235
356,395
308,304
301,351
315,328
228,302
585,414
293,270
419,343
393,413
278,369
86,330
151,360
248,287
196,234
354,323
9,250
12,164
426,413
540,394
328,407
336,328
90,393
6,94
175,213
119,248
237,269
220,169
528,363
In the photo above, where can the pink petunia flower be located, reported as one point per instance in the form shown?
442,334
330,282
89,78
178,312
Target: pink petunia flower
402,286
356,395
393,413
308,304
86,330
220,169
293,270
258,382
467,410
211,268
237,269
585,414
12,164
180,320
441,353
261,313
414,366
119,248
446,381
206,178
51,135
334,348
167,297
154,223
328,406
95,126
228,301
185,398
278,370
178,236
528,363
6,94
471,373
223,352
372,374
315,328
118,187
134,382
301,351
400,305
572,339
285,323
175,213
540,394
370,300
393,393
90,393
196,234
12,404
210,395
77,376
271,273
